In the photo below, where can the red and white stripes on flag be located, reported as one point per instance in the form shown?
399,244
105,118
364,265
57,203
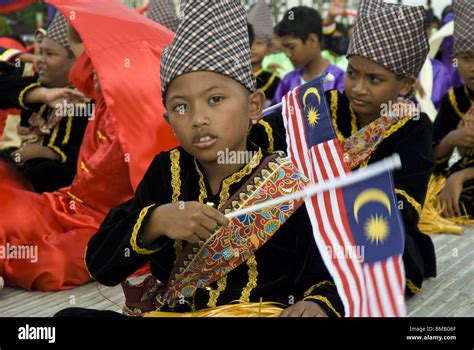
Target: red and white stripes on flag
366,289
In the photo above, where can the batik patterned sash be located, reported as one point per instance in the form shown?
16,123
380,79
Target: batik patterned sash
360,146
202,264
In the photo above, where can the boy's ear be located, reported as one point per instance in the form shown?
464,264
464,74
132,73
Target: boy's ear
165,115
314,39
257,100
407,85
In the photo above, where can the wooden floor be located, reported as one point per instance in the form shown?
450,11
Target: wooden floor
451,294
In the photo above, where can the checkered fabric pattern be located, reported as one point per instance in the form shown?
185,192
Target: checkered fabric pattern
212,36
260,17
57,31
164,13
391,35
463,26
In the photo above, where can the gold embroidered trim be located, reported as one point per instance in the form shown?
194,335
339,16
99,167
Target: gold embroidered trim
334,98
176,186
214,294
252,283
85,264
76,198
315,286
67,135
394,128
257,73
136,228
55,148
21,97
61,153
325,301
410,200
236,177
202,185
101,136
84,167
454,103
269,131
269,83
353,121
411,286
175,173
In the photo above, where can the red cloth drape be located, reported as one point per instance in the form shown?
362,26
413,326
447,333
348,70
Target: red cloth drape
126,132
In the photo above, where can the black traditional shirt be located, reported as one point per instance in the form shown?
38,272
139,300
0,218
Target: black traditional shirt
286,269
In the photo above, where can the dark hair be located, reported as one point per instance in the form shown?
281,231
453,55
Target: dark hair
300,22
251,34
430,18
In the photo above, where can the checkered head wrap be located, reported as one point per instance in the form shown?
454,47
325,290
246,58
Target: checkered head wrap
260,17
164,13
212,36
392,35
463,26
57,31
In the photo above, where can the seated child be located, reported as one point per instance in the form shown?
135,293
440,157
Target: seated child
301,35
454,124
51,138
176,213
260,17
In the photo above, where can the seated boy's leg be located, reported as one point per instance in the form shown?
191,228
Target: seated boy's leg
48,175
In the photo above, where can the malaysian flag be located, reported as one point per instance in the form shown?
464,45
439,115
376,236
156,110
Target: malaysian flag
357,228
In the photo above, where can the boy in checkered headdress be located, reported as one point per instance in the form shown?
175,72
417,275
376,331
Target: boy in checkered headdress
176,219
386,52
454,124
50,139
260,17
164,13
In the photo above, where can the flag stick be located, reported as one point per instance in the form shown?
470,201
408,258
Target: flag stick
327,79
387,164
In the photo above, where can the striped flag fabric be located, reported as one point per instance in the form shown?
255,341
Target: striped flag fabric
358,228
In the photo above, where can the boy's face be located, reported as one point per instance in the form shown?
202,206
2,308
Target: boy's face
53,63
300,53
369,86
210,112
466,68
259,50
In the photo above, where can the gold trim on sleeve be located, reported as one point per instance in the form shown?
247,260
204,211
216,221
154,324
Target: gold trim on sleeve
315,286
325,301
21,97
136,229
410,200
67,134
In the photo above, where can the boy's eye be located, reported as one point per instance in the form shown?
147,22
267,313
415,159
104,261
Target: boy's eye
374,80
216,99
180,108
